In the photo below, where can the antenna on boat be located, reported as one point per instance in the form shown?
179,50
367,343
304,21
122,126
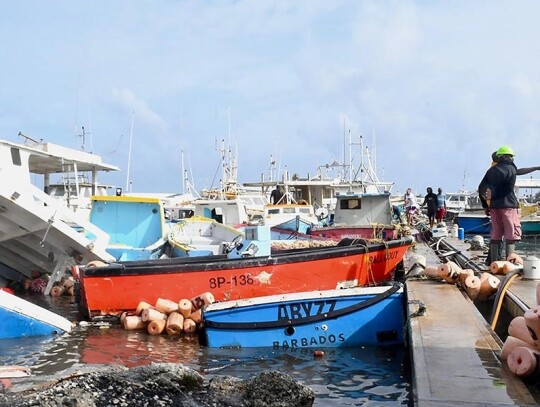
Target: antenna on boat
27,138
83,137
128,182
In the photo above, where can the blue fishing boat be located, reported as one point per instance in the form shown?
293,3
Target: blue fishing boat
474,222
330,318
20,318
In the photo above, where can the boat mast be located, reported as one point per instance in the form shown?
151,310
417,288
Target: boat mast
128,182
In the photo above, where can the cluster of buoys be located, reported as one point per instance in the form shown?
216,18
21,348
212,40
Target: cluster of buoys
167,316
521,349
66,286
301,244
477,287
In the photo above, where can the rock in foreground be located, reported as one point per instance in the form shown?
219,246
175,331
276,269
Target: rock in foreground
165,384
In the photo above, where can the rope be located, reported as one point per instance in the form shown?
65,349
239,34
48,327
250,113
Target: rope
497,304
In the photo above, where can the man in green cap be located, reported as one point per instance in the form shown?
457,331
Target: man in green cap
497,188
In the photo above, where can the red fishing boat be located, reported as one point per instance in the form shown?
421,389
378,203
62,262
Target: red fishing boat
112,288
362,216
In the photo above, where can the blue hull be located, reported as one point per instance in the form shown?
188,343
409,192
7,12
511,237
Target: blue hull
530,227
334,318
479,225
20,318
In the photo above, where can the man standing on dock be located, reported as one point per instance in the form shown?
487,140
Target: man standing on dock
431,201
495,247
441,207
497,186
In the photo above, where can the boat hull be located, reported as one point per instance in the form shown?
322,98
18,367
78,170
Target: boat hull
334,318
478,224
20,318
530,226
120,287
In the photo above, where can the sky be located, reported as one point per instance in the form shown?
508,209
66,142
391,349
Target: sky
432,87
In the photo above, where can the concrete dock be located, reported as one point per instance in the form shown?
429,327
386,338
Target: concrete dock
454,351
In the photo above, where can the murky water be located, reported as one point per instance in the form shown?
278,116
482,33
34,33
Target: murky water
371,376
343,377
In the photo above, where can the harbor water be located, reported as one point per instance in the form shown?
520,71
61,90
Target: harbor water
367,376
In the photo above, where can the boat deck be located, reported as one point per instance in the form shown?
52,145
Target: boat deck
454,351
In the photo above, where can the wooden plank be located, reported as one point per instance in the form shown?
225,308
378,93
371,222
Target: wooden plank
455,353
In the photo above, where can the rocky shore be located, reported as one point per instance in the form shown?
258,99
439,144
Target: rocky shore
164,384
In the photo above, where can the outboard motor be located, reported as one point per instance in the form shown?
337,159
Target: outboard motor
257,243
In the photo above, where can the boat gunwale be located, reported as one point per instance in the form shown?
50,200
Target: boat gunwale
374,299
221,262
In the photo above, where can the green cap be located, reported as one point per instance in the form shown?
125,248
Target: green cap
505,150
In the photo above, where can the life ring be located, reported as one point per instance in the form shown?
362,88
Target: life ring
303,202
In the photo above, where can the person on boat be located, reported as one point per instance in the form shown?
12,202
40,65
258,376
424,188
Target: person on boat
441,207
276,195
496,247
430,200
410,205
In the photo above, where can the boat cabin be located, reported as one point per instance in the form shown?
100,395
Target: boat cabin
363,209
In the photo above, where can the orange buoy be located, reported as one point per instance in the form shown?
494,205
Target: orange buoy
449,271
166,306
175,323
96,263
532,320
202,300
508,267
156,327
515,258
496,267
488,285
142,306
462,276
431,271
132,322
75,272
57,291
196,316
150,314
184,307
472,286
510,344
518,329
123,316
318,353
523,361
189,326
67,283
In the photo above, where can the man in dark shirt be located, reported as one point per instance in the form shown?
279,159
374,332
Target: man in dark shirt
431,201
497,186
496,157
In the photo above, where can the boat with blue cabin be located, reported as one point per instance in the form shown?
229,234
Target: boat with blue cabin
135,225
331,318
